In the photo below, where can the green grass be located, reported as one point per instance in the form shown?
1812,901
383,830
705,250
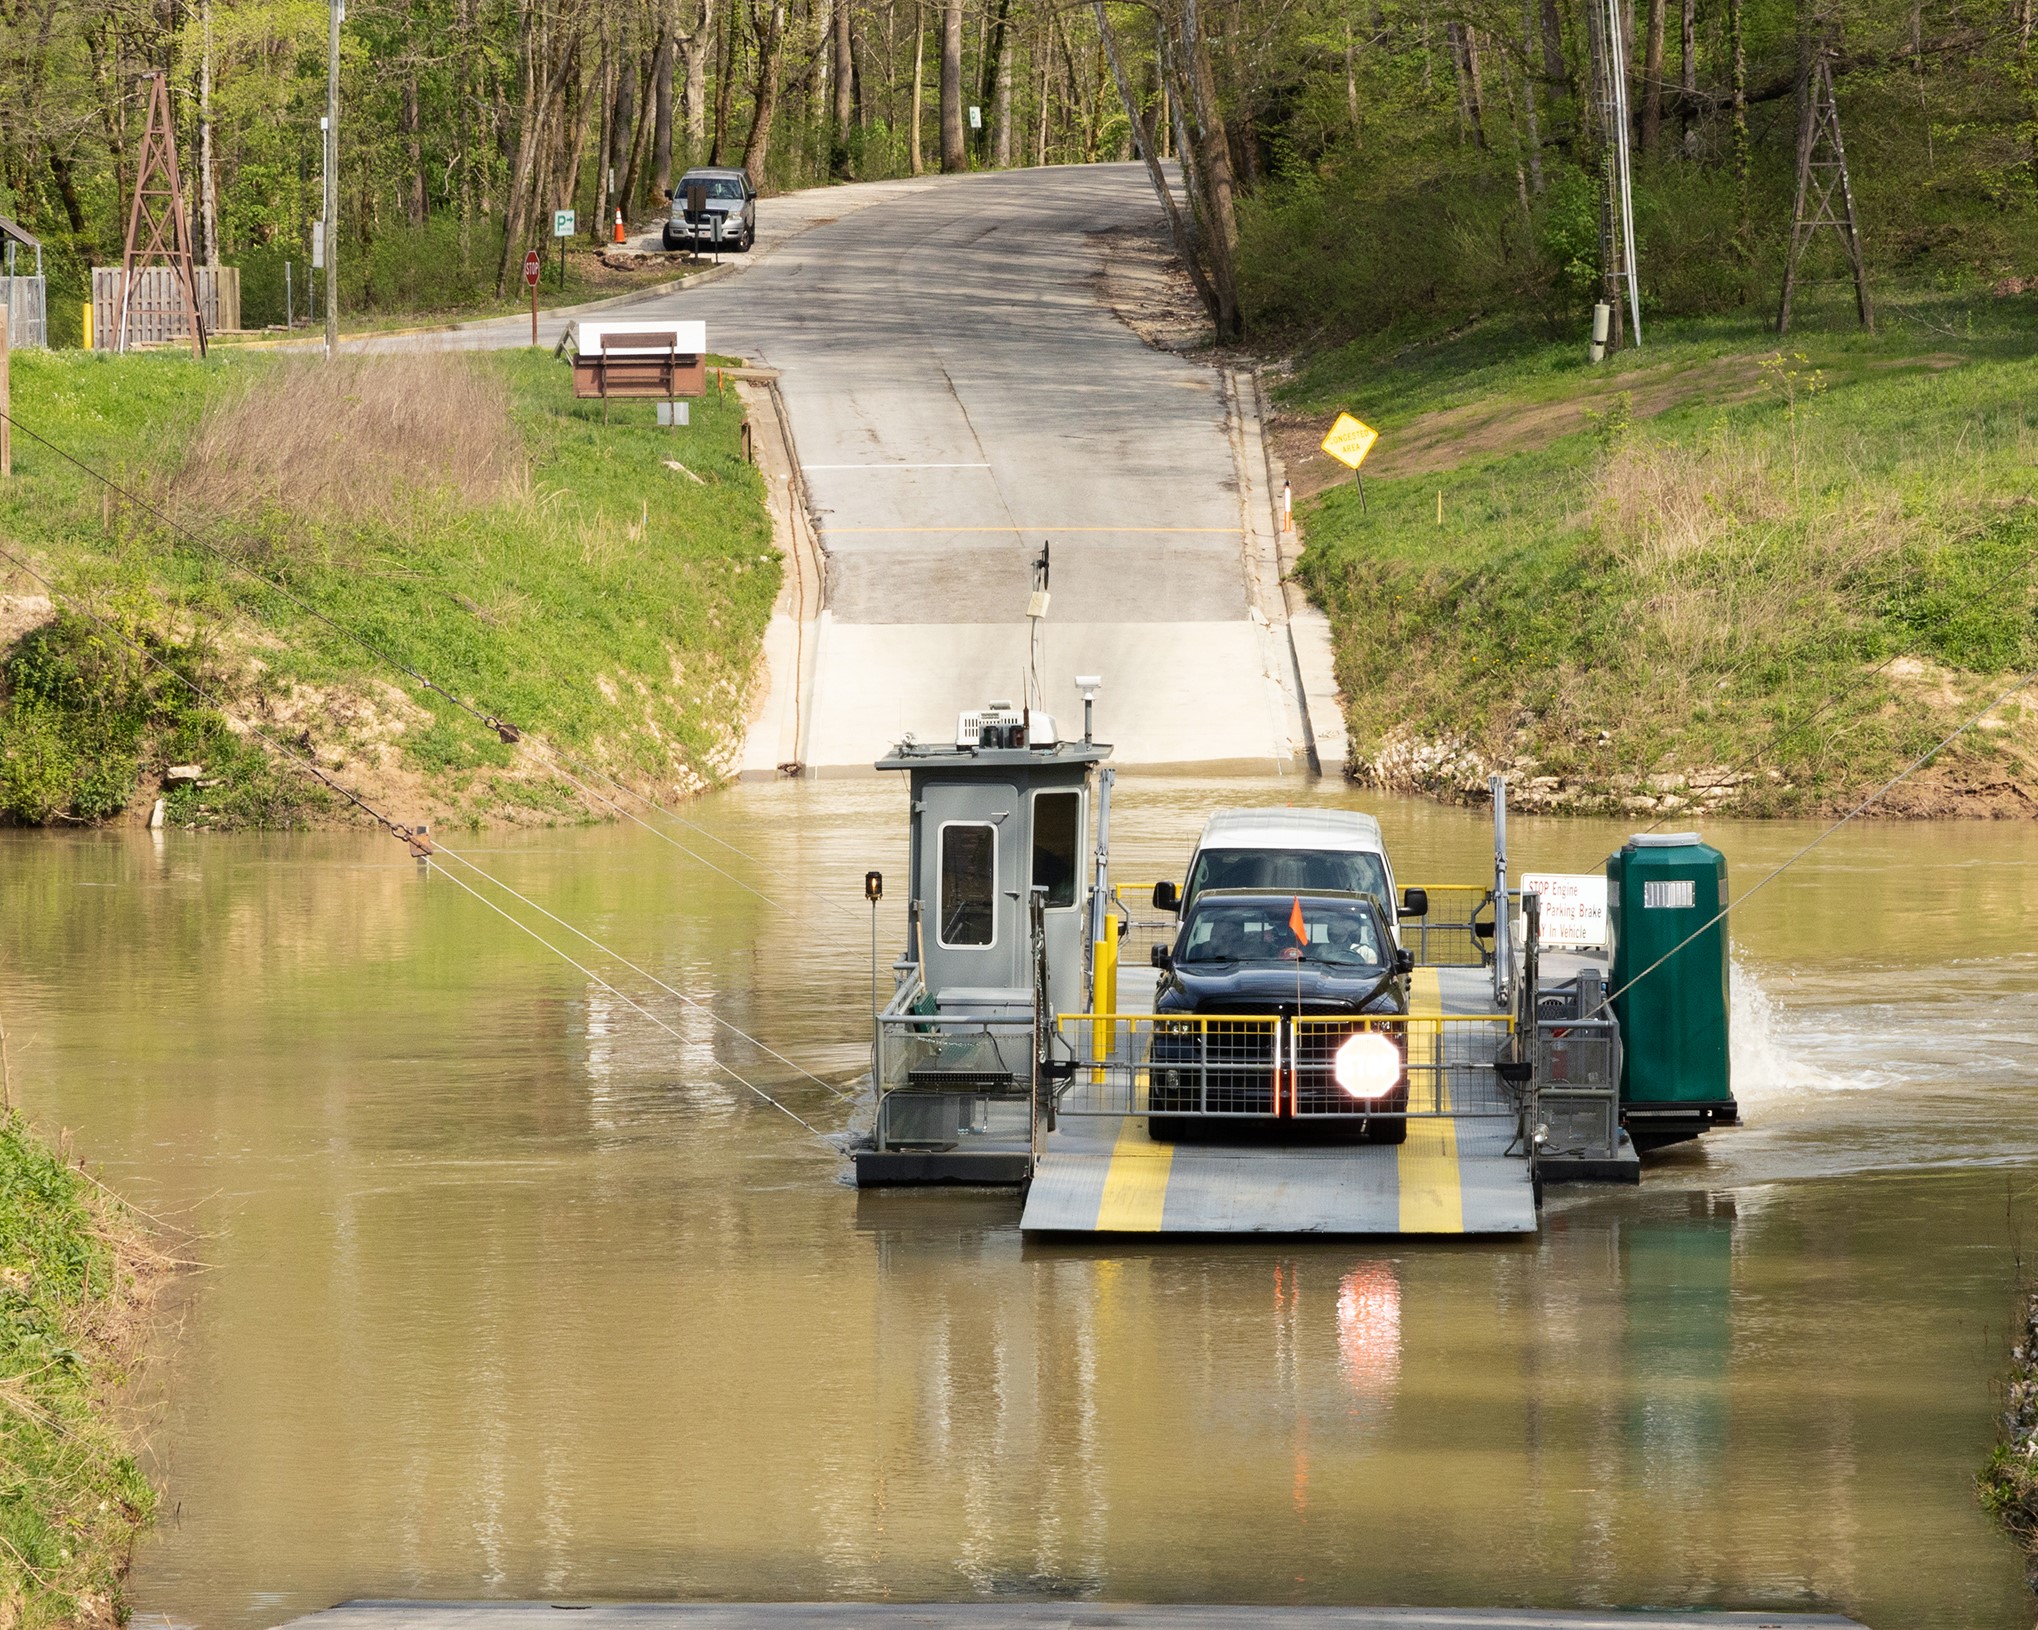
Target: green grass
1659,596
71,1497
594,595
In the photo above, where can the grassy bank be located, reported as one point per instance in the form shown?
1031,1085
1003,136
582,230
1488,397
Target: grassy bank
1722,570
76,1277
464,514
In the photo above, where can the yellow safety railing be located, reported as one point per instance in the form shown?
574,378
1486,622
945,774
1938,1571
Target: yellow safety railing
1265,1066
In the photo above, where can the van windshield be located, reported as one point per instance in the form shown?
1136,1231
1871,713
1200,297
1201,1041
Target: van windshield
1337,871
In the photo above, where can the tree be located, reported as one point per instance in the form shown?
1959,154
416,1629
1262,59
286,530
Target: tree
954,156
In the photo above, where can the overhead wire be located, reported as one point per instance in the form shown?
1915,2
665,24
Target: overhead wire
396,829
505,730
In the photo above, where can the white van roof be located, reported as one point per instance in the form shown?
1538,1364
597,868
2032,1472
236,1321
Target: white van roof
1333,829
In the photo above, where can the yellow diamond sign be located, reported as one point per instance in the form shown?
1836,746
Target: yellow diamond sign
1350,441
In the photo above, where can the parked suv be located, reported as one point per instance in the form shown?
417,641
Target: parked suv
1279,985
727,201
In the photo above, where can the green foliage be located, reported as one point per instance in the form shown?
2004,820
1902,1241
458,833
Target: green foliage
85,711
1730,543
72,1497
593,595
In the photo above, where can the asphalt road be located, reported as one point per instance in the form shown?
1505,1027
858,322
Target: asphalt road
960,395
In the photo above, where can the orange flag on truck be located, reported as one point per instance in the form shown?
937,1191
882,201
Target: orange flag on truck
1296,924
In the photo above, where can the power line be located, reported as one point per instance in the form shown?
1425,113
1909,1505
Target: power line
396,829
652,978
509,734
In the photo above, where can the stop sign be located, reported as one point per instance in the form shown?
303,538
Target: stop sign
531,268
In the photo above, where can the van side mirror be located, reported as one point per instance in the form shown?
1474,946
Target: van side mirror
1161,957
1415,902
1166,897
1404,962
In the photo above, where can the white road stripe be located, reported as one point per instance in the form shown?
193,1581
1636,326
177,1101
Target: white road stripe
896,466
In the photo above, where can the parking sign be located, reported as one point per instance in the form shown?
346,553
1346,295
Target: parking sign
562,223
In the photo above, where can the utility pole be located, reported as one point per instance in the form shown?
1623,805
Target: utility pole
332,166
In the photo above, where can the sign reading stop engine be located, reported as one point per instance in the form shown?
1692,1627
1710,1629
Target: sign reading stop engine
531,268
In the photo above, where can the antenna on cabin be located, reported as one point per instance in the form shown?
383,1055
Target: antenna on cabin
1036,614
1089,685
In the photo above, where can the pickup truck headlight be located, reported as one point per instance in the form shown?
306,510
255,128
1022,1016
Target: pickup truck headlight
1367,1065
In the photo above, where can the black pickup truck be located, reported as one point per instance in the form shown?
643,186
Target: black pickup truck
1229,1056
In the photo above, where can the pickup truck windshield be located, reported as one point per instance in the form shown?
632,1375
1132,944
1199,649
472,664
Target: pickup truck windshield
1341,933
717,186
1334,870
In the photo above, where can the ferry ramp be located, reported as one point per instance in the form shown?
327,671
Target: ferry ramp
1459,1170
959,394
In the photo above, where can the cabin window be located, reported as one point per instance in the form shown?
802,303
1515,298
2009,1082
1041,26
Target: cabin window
1057,843
969,885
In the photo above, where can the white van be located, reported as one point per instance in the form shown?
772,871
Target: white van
1335,849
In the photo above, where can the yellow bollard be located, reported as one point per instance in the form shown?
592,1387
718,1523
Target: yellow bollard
1104,996
88,325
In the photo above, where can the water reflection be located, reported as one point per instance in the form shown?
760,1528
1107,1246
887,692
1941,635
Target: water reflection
511,1292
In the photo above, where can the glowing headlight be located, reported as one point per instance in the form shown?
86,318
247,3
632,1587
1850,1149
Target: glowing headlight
1368,1065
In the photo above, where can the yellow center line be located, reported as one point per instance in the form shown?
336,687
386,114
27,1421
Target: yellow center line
1136,1185
1431,1199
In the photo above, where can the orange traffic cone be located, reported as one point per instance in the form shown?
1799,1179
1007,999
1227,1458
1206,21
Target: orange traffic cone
621,235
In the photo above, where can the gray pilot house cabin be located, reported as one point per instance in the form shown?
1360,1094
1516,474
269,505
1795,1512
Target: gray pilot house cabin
1002,816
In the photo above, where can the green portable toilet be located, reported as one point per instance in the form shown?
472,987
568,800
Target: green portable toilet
1661,889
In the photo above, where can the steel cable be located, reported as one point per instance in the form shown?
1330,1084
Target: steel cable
508,732
396,829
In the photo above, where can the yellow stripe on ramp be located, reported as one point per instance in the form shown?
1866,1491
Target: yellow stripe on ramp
1136,1186
1431,1200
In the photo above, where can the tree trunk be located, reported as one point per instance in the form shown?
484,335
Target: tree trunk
1178,230
954,156
1737,45
208,187
991,62
1215,169
845,94
694,51
415,199
770,56
918,155
1001,104
725,76
661,117
622,125
1351,80
1687,78
1555,69
1652,77
1532,128
639,134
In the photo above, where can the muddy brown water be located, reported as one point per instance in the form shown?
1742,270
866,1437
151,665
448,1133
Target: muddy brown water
509,1293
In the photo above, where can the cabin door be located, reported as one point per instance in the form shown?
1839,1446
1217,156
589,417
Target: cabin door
972,887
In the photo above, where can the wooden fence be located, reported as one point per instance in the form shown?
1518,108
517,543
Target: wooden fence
155,307
27,315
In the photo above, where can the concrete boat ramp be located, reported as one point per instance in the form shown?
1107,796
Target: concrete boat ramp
1019,1616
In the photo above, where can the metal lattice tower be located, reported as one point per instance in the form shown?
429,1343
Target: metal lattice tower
1825,195
159,232
1618,288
